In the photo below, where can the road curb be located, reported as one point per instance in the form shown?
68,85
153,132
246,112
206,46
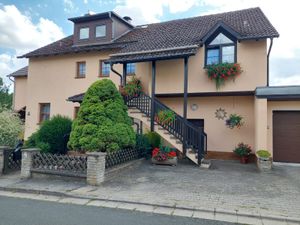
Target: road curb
214,212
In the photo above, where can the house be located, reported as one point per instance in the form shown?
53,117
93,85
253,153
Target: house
170,59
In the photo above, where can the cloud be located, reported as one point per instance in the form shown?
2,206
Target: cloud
69,6
151,11
20,34
291,80
18,31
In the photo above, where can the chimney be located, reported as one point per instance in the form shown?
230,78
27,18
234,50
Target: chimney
128,19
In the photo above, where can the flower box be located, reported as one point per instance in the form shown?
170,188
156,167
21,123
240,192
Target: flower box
170,162
264,161
164,155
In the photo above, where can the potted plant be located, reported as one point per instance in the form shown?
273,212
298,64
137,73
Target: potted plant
264,160
243,151
165,117
222,72
164,155
234,120
133,88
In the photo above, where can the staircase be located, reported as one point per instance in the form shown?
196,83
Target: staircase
181,134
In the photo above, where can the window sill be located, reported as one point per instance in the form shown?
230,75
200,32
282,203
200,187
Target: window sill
79,77
104,76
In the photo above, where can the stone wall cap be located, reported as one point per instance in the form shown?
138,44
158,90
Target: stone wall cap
31,149
96,154
4,147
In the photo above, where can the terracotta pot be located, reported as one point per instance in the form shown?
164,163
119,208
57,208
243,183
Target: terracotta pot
244,159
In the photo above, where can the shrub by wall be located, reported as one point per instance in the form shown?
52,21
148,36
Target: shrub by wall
52,136
11,127
102,123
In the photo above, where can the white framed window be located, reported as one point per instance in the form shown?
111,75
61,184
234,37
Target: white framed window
84,33
100,31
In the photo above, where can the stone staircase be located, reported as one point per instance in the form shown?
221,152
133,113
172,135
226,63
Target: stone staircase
176,133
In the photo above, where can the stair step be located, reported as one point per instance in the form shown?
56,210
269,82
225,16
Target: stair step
160,128
178,142
134,112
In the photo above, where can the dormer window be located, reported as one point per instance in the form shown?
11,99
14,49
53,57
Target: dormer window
221,49
84,33
100,31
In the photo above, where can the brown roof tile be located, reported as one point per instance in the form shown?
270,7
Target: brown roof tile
248,24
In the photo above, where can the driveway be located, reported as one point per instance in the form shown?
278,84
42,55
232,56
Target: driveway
229,186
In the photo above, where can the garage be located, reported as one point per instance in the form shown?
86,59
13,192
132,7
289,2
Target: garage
286,136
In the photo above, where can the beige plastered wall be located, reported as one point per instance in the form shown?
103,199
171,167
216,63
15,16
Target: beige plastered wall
20,93
278,106
252,56
52,80
220,138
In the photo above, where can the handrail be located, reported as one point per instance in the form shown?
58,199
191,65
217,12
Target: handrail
191,136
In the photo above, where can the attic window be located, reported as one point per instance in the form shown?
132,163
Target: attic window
100,31
221,49
84,33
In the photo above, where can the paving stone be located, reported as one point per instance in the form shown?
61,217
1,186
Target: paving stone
226,217
98,203
110,204
77,201
249,220
127,206
203,215
163,210
273,222
144,208
183,212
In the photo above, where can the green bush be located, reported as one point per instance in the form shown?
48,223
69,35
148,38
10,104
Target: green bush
52,135
263,153
11,127
143,145
102,123
154,139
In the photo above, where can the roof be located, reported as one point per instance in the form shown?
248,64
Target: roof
278,92
23,72
76,98
65,46
247,24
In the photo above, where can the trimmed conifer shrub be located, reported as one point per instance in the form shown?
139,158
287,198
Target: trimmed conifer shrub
102,123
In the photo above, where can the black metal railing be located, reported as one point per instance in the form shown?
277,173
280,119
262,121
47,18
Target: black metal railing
12,161
191,136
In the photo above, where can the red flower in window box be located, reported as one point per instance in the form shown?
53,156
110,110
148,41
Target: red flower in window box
221,72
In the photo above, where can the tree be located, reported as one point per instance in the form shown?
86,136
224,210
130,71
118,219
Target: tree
102,123
11,127
5,96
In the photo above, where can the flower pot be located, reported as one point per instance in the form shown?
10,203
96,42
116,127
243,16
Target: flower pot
264,164
170,161
244,159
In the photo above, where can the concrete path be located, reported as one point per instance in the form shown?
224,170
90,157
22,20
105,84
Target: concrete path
228,192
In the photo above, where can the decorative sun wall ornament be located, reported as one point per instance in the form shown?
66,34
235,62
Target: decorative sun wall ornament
221,114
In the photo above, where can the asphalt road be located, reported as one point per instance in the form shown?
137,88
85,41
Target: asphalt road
16,211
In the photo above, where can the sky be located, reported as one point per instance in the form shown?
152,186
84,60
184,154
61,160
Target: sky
29,24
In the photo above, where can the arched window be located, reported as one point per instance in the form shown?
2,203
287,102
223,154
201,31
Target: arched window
220,50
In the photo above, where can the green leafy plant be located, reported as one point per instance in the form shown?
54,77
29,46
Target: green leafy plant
143,145
165,117
102,123
52,137
133,87
154,139
222,72
11,127
263,153
242,149
234,120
